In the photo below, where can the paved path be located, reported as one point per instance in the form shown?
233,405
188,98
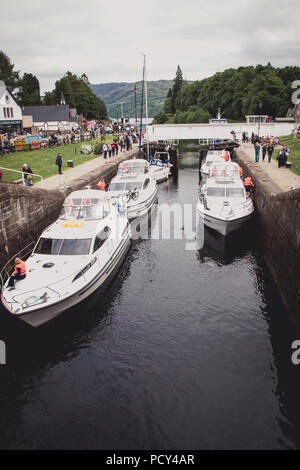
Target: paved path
61,181
284,177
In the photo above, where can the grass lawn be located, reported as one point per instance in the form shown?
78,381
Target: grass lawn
294,146
42,162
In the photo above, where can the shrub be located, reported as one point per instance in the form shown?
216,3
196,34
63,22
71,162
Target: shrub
86,149
98,148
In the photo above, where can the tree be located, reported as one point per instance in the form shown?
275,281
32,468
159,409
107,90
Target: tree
29,93
7,72
78,95
160,118
168,105
178,82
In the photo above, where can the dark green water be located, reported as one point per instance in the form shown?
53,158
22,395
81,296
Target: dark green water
187,349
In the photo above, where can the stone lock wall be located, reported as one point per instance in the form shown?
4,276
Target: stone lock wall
279,214
24,214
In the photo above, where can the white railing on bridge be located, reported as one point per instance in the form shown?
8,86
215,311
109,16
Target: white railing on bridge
168,132
22,173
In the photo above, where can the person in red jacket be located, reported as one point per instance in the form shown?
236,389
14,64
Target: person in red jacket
19,273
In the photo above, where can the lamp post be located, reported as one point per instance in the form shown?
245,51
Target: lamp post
260,106
118,119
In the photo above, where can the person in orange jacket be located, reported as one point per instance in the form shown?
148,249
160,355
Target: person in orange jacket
248,184
19,273
225,155
101,185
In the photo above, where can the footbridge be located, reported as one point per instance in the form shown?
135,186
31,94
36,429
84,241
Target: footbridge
173,132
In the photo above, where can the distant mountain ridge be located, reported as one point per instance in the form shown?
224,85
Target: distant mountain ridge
113,94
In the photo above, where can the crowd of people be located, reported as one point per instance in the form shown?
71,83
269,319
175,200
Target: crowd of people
124,143
265,146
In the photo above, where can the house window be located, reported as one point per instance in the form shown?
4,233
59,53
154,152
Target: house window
11,112
4,112
7,112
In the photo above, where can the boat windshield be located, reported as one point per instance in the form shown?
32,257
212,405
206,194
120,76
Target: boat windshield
87,209
138,167
66,246
225,192
235,192
222,172
216,192
125,186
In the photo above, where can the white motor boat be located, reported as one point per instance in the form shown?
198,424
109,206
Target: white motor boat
135,184
223,204
73,257
213,156
160,166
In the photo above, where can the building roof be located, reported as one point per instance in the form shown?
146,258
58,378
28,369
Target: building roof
50,113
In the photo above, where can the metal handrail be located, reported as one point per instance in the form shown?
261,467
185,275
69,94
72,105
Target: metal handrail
6,271
23,173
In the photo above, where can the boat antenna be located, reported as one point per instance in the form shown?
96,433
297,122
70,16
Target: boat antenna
142,105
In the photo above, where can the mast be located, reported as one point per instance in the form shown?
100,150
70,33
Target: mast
142,105
136,124
146,98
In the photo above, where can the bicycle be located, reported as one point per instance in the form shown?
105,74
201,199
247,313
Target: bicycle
132,194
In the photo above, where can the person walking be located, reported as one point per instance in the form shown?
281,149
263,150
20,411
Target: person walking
113,147
19,273
104,150
58,162
264,151
257,149
270,151
110,150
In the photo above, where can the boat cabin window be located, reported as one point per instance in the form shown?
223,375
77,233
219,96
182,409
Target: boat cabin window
132,185
86,208
234,192
146,183
216,192
48,246
75,247
101,237
137,167
116,187
65,246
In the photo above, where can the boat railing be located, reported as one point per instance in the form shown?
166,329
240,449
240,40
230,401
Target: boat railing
7,269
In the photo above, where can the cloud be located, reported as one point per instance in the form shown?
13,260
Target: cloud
105,39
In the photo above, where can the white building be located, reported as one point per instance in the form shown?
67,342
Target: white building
10,112
51,118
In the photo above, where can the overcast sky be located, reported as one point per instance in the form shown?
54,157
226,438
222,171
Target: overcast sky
105,39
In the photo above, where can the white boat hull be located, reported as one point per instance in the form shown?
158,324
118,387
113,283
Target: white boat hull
160,174
223,226
43,315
